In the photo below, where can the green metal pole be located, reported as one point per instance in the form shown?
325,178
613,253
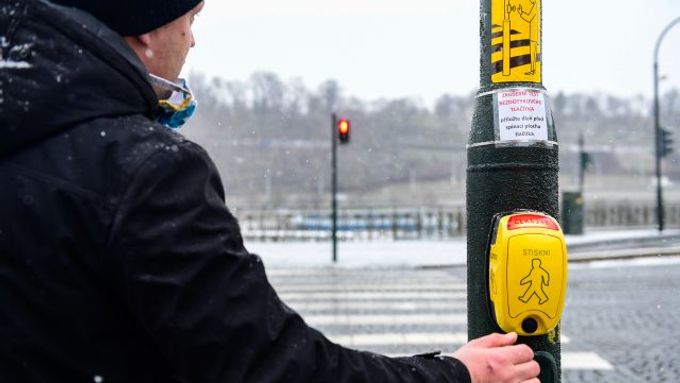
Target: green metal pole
583,163
505,174
657,126
334,186
657,152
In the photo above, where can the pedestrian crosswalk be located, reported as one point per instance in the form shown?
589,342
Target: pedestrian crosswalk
393,312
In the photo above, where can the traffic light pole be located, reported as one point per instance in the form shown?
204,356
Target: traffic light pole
583,163
506,174
334,186
660,218
660,213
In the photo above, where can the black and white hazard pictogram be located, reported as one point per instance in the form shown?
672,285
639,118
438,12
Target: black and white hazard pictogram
515,41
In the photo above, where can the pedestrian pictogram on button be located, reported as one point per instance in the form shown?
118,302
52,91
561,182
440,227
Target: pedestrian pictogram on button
537,278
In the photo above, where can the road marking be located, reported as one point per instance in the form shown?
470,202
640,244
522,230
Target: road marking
405,339
584,361
391,339
344,287
348,281
387,306
385,320
386,295
331,272
570,361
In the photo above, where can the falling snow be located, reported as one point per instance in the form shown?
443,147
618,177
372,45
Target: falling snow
14,64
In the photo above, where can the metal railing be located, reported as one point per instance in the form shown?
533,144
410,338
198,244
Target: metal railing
354,224
431,223
629,215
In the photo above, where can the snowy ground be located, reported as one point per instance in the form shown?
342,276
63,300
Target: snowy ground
388,253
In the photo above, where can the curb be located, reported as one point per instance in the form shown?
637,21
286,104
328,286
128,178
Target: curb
617,243
605,255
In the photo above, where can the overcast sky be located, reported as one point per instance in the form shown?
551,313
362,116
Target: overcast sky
424,48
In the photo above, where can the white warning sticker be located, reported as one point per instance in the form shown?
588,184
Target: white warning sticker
521,115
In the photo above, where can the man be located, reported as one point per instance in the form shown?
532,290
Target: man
119,261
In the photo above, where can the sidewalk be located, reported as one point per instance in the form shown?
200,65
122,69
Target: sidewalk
597,245
623,244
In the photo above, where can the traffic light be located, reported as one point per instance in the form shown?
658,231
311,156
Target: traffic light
586,160
344,127
665,142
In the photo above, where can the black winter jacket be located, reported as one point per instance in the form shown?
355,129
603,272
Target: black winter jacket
119,261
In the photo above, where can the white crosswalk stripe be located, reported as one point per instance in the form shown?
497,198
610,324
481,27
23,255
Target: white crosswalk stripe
371,313
301,288
584,361
361,340
325,272
385,320
571,361
384,295
335,306
388,339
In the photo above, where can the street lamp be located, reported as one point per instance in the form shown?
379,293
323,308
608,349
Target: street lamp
657,126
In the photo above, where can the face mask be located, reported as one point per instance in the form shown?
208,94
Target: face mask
179,107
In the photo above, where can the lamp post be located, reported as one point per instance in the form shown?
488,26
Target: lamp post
657,127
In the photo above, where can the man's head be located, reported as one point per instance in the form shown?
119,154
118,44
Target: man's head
159,31
164,49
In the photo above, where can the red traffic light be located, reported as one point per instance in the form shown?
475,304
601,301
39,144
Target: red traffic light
344,127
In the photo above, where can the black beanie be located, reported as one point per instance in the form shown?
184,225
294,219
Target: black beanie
133,17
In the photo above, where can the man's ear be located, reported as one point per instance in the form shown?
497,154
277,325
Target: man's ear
142,46
145,39
139,42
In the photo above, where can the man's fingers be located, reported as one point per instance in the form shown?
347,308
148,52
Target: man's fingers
518,354
496,340
527,370
534,380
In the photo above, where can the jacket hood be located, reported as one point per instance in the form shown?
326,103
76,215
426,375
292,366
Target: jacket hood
60,66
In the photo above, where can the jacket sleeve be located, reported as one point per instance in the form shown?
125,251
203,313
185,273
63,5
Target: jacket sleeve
205,302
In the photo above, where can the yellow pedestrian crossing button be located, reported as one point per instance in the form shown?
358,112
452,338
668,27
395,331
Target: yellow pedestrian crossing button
527,273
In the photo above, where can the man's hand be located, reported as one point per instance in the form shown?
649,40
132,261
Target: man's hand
495,359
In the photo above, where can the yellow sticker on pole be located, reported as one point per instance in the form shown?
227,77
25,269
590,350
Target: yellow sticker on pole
516,41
